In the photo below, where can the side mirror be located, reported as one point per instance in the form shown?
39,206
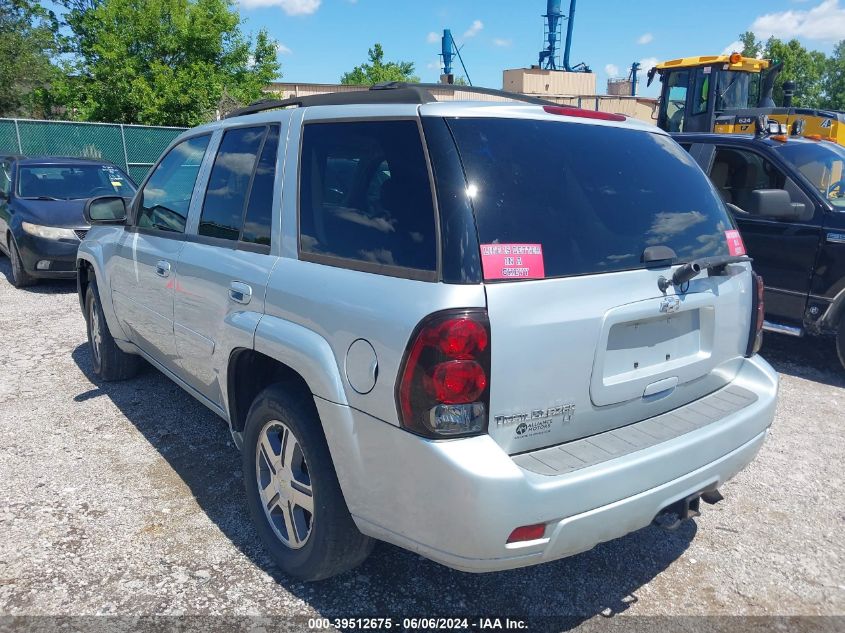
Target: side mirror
775,203
105,210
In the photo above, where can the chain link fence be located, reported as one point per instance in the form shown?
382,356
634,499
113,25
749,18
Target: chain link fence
133,147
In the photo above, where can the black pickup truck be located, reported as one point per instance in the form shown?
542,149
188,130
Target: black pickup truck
788,197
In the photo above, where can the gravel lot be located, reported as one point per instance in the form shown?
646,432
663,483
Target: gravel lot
126,498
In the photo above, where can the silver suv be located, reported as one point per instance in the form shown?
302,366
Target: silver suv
493,333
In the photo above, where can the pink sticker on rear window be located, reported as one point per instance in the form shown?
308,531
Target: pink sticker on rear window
735,244
512,261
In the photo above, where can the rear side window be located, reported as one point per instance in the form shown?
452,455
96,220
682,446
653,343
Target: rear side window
228,185
365,196
259,211
593,197
166,196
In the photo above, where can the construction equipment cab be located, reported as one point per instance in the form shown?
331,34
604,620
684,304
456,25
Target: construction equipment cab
726,93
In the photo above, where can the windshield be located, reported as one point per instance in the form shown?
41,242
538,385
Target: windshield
822,163
737,90
591,197
72,182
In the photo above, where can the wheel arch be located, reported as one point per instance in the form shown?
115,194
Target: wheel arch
283,352
249,372
88,270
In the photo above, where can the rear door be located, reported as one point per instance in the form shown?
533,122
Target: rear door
784,250
582,338
142,272
226,261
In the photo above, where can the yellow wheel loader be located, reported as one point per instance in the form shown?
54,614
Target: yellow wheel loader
727,93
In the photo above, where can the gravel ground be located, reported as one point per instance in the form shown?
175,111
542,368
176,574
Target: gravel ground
127,499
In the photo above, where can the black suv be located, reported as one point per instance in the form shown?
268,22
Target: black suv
788,197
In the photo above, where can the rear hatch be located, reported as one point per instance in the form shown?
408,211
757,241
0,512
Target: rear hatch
582,338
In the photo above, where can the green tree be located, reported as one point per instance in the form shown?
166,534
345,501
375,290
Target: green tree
801,66
805,68
161,62
29,38
377,71
751,46
834,80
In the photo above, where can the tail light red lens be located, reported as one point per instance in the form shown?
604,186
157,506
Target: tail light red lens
758,315
458,382
528,533
444,384
584,114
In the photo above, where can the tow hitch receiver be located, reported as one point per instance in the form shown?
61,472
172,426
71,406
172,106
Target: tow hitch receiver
671,517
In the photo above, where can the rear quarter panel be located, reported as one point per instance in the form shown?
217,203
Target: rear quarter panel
342,306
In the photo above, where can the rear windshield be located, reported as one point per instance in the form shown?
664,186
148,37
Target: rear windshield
70,182
585,198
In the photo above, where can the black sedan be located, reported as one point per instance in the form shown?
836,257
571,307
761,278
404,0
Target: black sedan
41,202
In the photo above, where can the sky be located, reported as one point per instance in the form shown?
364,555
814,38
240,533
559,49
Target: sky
319,40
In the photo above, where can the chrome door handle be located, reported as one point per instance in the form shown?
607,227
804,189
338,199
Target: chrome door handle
240,292
163,268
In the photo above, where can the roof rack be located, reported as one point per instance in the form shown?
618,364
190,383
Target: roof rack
388,92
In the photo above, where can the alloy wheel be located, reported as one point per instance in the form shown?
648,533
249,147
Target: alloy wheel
96,332
284,484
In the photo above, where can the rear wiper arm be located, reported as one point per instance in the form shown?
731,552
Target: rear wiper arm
691,269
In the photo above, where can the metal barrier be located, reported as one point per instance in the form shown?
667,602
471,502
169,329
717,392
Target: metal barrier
135,148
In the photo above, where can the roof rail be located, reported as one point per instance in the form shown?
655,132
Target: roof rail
388,92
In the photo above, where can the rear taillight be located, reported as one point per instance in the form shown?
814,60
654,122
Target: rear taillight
444,383
758,315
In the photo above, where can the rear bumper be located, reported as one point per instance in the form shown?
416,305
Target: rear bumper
457,502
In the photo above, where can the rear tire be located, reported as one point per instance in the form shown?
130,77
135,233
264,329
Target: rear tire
298,476
109,361
20,278
840,342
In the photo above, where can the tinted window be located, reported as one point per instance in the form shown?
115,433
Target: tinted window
593,196
166,197
228,185
73,182
823,164
736,173
365,194
259,212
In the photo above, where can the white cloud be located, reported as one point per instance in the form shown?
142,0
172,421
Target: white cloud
823,22
733,47
291,7
281,49
648,63
612,70
433,38
645,38
501,42
474,30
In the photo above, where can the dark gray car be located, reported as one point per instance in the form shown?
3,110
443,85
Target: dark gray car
41,204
